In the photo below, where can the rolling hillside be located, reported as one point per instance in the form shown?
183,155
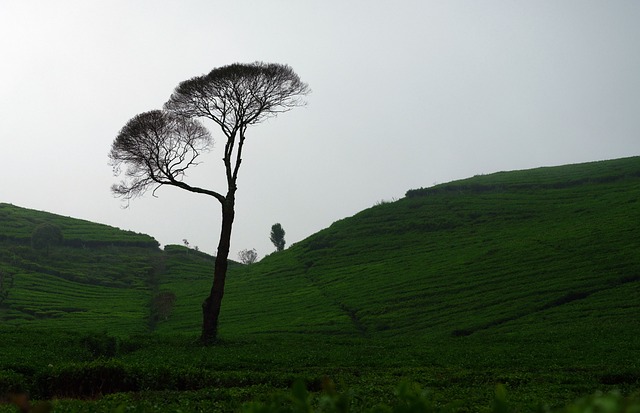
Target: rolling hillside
98,277
527,253
528,278
534,254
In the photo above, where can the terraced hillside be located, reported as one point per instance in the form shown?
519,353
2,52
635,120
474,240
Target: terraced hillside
528,278
525,253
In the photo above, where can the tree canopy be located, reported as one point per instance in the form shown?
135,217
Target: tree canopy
239,95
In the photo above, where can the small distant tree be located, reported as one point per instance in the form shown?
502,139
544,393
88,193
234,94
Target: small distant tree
46,236
248,257
277,236
186,244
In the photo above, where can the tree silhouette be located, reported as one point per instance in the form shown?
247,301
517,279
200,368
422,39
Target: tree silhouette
157,147
277,236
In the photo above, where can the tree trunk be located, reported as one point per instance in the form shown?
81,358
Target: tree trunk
211,305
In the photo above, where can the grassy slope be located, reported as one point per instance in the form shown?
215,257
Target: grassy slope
17,224
512,251
530,278
98,279
549,255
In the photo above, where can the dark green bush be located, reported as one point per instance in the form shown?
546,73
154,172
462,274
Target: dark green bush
410,398
605,403
162,306
101,345
85,380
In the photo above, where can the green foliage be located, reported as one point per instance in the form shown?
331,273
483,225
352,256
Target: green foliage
87,380
11,382
605,403
162,305
187,376
410,398
17,225
6,282
96,276
101,345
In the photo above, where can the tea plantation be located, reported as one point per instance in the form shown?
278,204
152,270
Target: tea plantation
527,281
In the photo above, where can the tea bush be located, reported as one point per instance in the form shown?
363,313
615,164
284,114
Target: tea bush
101,345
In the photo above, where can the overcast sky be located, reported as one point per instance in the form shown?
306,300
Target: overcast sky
405,94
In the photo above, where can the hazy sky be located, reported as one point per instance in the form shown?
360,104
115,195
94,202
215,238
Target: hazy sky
405,94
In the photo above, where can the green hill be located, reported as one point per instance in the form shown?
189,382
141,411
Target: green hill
98,277
530,278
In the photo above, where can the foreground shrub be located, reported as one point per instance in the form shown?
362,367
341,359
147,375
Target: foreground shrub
86,380
410,399
606,403
11,382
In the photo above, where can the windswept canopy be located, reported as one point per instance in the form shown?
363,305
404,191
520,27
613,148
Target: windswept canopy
239,95
154,149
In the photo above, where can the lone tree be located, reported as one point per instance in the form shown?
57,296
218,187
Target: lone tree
157,147
277,236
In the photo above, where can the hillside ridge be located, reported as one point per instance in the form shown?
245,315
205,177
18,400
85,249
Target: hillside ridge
460,263
400,266
547,177
18,223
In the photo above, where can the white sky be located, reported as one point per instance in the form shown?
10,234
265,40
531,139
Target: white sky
405,94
